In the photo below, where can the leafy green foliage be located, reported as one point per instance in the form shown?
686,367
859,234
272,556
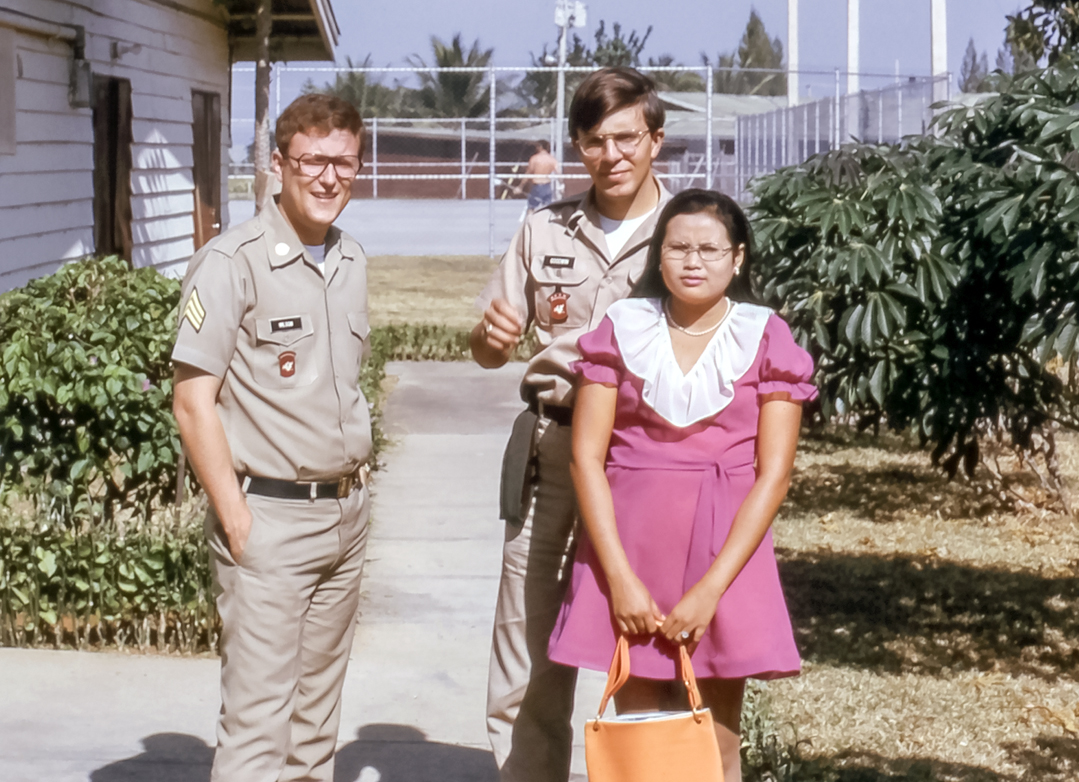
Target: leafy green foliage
934,282
86,385
93,587
1047,28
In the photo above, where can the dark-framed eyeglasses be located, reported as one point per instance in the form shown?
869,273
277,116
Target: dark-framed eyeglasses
626,142
709,253
345,166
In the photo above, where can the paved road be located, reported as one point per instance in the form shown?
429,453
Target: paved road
390,226
414,698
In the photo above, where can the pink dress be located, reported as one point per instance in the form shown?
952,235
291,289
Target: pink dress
681,461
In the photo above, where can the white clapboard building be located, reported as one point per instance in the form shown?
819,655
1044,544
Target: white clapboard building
113,118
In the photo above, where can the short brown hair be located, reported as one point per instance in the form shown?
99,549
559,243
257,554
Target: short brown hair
319,112
544,144
612,89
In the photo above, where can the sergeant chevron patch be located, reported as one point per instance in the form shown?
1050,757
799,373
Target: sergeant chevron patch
194,311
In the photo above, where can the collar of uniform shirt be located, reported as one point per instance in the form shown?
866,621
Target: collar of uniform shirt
283,246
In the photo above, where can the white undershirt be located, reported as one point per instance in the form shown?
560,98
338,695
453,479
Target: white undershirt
318,252
619,231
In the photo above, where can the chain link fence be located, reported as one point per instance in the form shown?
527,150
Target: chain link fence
466,133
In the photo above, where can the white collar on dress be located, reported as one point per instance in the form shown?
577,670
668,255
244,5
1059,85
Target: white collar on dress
645,343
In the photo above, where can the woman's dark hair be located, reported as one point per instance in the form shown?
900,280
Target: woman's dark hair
723,208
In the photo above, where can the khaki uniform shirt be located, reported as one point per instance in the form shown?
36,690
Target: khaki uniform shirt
288,344
559,275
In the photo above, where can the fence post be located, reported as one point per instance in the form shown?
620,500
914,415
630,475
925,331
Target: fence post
709,181
816,131
835,114
880,116
464,161
491,169
280,71
374,157
738,190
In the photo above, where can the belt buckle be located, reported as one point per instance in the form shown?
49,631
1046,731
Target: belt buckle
345,485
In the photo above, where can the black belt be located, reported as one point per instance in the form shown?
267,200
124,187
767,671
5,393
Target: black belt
563,416
303,490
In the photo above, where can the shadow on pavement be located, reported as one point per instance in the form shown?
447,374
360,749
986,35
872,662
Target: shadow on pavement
400,753
380,753
167,757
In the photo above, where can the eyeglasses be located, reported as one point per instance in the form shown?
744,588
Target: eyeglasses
708,253
346,166
625,142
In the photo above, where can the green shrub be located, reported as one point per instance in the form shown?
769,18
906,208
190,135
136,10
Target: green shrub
86,586
935,281
86,386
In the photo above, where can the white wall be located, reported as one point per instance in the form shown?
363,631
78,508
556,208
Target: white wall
46,188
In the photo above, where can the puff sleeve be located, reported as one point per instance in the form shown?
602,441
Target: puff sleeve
785,366
600,360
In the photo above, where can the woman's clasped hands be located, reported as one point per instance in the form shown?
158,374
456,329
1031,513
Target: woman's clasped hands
636,613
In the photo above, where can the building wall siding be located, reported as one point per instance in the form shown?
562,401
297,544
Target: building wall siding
46,188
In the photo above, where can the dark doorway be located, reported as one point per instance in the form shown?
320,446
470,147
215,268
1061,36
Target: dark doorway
112,166
206,122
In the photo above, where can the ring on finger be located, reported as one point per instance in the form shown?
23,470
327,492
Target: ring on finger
684,635
488,327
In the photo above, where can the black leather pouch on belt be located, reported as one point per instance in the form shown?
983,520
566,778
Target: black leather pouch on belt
517,469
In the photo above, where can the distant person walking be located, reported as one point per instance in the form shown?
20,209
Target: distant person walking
684,434
567,264
538,175
272,333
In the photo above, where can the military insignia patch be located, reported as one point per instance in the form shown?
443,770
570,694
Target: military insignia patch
194,312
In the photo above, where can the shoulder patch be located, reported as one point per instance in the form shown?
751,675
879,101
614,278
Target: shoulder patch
194,313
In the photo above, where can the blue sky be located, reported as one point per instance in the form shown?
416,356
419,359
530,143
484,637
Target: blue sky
391,30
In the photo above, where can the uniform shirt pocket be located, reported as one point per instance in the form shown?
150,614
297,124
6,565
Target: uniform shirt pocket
563,296
360,327
285,352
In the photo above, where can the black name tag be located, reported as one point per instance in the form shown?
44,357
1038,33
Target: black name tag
285,324
558,261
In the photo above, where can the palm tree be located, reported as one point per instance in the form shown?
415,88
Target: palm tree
371,98
450,94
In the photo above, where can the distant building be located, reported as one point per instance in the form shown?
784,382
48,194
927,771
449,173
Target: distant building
112,121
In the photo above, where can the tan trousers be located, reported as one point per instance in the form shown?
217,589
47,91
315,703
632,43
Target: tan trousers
529,698
288,612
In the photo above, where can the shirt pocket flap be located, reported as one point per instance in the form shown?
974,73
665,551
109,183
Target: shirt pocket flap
357,321
283,331
553,270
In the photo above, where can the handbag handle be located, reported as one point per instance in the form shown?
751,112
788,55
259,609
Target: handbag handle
618,675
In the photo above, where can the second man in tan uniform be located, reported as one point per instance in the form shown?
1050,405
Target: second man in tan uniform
566,265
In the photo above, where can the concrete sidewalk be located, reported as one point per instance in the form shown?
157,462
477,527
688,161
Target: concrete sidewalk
414,698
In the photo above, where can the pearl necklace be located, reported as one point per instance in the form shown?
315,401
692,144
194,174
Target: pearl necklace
687,332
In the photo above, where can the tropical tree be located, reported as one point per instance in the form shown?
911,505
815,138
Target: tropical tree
757,51
370,97
973,70
675,81
538,89
454,94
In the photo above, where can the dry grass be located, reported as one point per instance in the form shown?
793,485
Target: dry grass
425,289
940,629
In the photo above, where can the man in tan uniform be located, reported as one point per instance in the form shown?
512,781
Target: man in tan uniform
272,332
567,264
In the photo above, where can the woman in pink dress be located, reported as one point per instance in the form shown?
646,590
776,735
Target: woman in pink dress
684,433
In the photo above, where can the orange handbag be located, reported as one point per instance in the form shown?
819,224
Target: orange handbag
656,746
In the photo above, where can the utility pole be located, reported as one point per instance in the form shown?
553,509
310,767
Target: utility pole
939,43
792,53
567,14
854,45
